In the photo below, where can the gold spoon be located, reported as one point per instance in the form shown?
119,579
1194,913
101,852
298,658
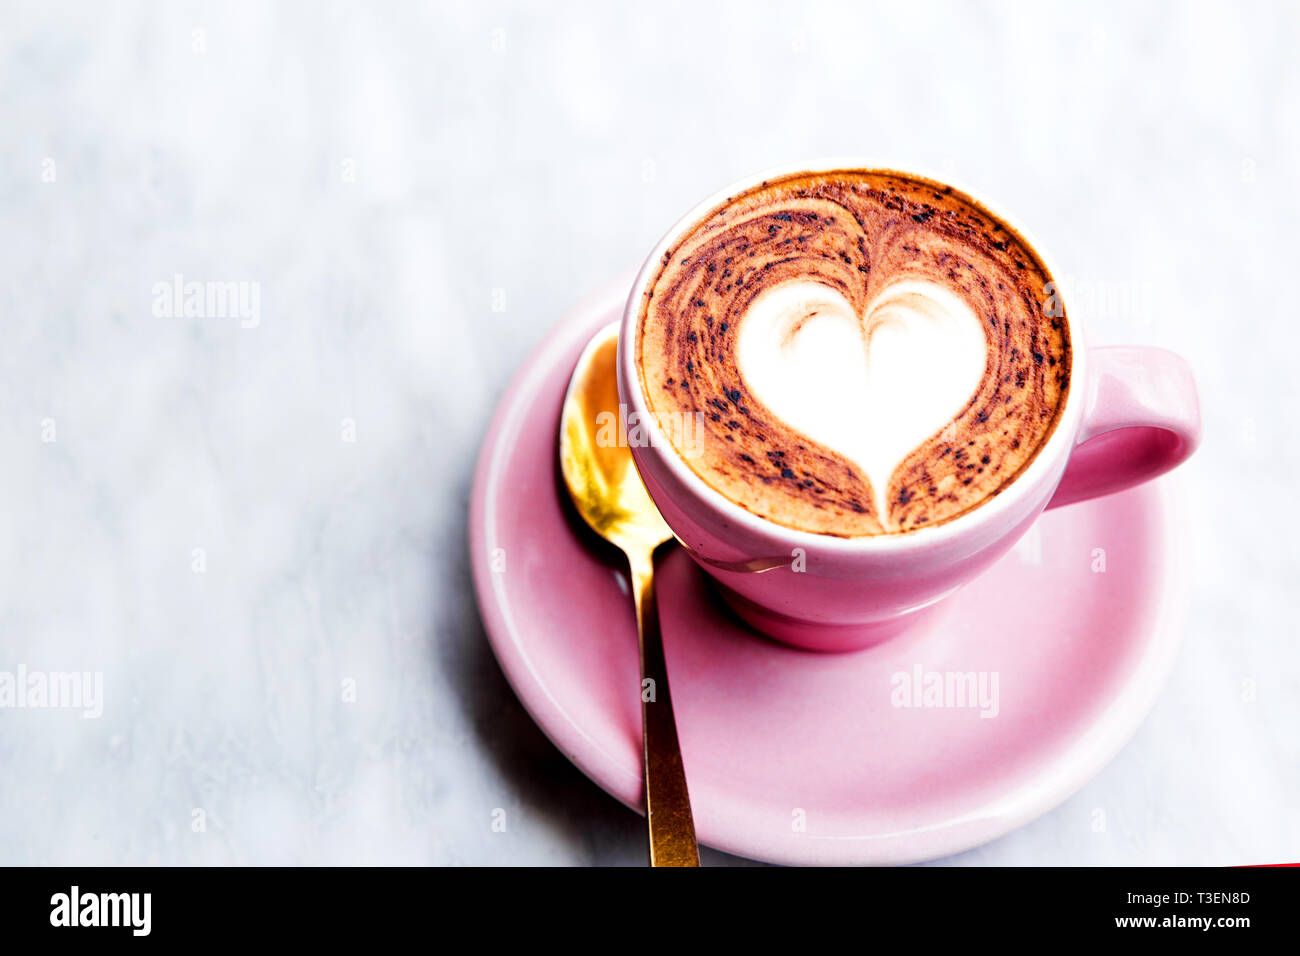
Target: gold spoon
608,493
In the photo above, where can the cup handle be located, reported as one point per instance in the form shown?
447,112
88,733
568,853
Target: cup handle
1141,419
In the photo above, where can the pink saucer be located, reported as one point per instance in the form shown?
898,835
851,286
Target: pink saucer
798,757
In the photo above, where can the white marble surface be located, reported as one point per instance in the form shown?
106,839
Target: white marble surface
420,190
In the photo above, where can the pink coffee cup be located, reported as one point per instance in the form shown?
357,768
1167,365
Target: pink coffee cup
1131,414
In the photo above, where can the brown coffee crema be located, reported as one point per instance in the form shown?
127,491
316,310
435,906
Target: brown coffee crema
856,232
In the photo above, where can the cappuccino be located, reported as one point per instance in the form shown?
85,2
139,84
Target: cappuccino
868,352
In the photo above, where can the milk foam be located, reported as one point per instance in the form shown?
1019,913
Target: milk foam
871,388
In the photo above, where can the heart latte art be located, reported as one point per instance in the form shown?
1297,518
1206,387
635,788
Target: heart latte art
868,353
870,387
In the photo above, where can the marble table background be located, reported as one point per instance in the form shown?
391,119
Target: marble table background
230,523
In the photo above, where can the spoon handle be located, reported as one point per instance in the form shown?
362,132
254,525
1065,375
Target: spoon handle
668,805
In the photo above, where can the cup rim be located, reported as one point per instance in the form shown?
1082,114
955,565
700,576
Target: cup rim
988,512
